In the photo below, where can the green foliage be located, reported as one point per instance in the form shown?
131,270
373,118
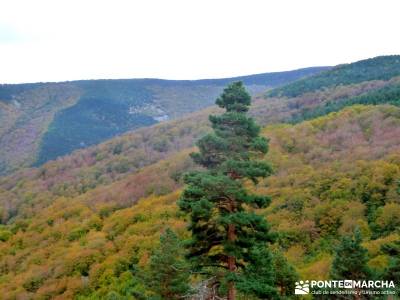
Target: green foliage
77,234
235,98
33,284
388,218
89,122
168,272
285,275
386,95
5,234
228,240
392,272
350,261
123,287
328,219
258,277
383,67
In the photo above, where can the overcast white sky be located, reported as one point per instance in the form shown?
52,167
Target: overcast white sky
54,40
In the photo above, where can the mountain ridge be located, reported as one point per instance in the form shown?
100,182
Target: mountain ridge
223,79
76,114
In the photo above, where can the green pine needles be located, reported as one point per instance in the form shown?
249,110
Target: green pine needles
229,240
350,261
168,275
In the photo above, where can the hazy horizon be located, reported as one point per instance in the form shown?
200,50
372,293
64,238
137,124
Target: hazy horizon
53,41
169,79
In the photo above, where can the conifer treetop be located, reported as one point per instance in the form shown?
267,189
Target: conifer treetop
235,98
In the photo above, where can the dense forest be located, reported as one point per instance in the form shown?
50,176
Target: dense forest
378,68
389,94
115,220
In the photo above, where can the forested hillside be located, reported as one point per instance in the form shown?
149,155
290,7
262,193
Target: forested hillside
88,244
86,225
42,121
378,68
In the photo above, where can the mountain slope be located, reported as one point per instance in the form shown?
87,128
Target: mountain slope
42,121
78,225
331,174
106,163
378,68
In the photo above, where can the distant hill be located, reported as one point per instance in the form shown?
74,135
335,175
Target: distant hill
372,81
42,121
378,68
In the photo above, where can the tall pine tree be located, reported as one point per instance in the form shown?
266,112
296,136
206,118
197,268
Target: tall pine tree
229,240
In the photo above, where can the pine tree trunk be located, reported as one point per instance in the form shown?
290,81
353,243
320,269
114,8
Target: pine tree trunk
357,296
231,264
231,291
